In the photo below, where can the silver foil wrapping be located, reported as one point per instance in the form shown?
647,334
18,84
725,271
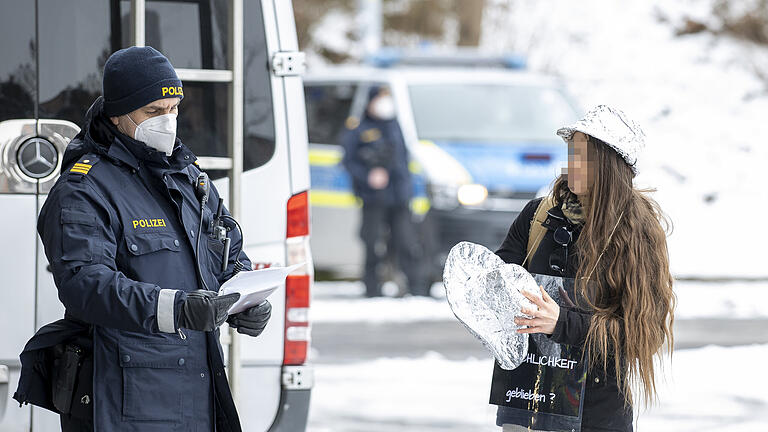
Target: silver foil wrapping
552,285
614,128
485,295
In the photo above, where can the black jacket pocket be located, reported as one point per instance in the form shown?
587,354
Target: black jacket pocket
78,230
152,374
145,243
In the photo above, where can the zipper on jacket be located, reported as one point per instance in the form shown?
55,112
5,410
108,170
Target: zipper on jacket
181,334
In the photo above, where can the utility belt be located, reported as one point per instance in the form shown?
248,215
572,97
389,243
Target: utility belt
72,376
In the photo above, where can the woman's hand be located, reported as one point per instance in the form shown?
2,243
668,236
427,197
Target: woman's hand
544,319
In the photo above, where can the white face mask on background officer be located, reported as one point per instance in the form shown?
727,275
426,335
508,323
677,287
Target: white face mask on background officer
153,124
382,106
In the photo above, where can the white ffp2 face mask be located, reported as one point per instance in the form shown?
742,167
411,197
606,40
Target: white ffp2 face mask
383,108
157,132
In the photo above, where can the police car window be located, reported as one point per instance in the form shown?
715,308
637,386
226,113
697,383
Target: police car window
491,113
258,117
75,39
328,107
191,33
17,64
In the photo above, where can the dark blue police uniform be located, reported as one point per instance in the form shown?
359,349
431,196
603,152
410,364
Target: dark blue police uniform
377,143
119,230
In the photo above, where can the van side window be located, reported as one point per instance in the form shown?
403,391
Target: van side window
17,60
328,107
258,116
75,39
193,35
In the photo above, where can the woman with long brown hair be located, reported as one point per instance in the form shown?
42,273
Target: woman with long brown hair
613,243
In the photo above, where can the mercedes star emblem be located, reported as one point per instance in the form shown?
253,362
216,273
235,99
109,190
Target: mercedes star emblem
37,158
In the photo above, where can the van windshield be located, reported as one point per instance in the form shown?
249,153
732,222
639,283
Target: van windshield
489,112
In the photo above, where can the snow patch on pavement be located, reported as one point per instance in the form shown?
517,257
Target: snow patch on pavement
408,392
702,389
344,302
341,302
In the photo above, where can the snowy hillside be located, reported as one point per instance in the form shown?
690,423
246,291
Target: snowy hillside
698,97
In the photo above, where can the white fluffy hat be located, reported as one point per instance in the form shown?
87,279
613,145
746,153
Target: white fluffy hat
614,128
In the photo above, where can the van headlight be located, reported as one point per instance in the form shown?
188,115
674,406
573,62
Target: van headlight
472,194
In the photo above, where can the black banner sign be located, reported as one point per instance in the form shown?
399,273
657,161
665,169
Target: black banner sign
548,387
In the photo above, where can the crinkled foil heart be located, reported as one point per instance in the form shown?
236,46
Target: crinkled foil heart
485,295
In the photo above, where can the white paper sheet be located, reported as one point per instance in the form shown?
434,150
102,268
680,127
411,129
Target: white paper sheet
255,286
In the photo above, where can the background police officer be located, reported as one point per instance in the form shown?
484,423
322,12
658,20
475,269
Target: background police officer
120,230
377,161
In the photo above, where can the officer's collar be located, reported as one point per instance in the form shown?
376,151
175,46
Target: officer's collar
181,157
131,152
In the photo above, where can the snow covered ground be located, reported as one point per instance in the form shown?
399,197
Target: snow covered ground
342,302
706,389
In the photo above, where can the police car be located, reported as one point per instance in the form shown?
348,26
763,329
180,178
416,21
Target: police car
51,60
481,136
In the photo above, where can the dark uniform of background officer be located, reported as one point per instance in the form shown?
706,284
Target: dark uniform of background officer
120,229
377,161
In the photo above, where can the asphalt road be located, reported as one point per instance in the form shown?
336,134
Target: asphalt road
353,342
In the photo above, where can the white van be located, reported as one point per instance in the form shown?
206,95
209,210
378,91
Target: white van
481,140
241,70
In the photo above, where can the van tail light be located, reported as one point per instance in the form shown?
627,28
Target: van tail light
298,215
298,284
297,330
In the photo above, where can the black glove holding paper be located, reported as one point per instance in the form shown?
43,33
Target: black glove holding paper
252,321
205,310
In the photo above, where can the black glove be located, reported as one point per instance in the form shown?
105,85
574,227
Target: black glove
253,320
205,310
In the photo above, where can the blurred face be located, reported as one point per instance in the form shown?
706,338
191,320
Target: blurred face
153,109
580,166
382,106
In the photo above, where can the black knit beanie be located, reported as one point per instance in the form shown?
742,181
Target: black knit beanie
136,76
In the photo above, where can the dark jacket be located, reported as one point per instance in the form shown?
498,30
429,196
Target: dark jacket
119,232
377,143
603,401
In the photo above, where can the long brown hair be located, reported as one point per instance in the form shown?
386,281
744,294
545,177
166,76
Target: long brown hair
622,252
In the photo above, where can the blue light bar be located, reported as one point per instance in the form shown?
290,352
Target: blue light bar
469,58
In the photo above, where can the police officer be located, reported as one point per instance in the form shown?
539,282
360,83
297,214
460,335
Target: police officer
120,230
377,161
